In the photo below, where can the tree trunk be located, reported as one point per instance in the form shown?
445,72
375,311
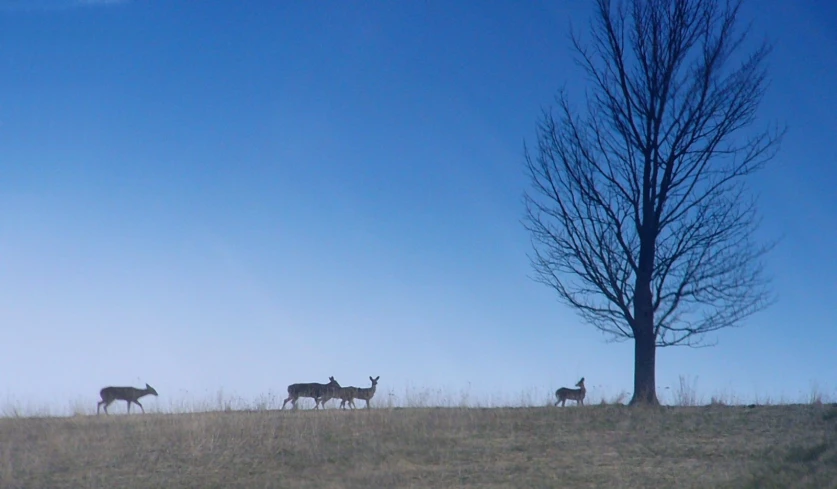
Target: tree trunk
645,380
645,339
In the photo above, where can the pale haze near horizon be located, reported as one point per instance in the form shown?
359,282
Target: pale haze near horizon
234,198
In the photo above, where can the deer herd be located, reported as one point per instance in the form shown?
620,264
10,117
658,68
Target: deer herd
321,393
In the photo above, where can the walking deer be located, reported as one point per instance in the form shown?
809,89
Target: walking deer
349,394
577,395
129,394
321,393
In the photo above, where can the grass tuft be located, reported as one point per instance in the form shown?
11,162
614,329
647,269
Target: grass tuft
831,414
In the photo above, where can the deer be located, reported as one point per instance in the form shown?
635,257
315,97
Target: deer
349,394
330,392
128,394
577,395
321,393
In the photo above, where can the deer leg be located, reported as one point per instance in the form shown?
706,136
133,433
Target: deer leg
129,407
286,401
140,405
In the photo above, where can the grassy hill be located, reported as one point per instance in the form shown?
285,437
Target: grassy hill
597,446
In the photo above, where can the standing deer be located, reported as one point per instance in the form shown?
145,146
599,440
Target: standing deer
129,394
330,392
321,393
349,394
576,395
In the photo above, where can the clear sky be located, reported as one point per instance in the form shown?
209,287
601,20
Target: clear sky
241,195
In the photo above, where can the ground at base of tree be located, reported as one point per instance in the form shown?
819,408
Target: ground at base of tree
591,446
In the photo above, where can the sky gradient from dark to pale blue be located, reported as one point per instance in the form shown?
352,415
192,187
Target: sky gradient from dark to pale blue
234,196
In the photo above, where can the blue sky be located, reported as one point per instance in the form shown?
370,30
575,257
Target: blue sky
242,195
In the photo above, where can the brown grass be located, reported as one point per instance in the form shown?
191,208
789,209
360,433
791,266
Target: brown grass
595,446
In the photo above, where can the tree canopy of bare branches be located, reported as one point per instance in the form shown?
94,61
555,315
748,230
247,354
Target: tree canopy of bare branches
638,210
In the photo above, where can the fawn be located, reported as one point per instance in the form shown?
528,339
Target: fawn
129,394
349,394
576,395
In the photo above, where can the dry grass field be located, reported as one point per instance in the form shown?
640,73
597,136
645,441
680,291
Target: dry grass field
596,446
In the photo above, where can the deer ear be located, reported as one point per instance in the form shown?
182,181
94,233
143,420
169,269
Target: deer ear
376,378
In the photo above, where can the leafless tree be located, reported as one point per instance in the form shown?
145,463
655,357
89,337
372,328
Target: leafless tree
638,211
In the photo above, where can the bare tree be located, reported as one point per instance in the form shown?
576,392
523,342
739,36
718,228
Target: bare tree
638,211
